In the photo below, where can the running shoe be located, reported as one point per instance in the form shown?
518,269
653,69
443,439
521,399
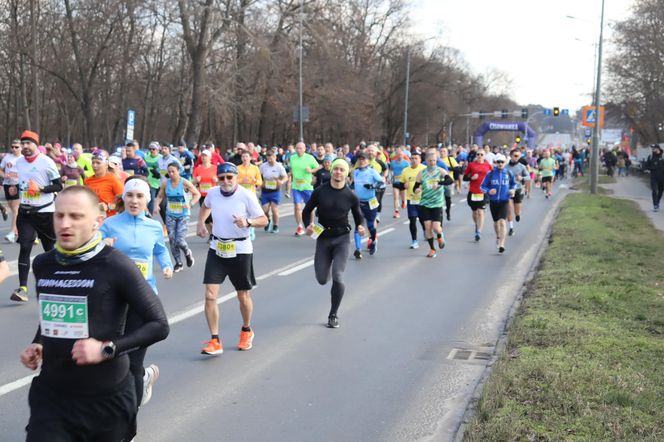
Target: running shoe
36,241
299,231
517,218
268,226
287,195
414,244
431,254
396,214
449,216
275,229
373,247
477,236
369,244
511,232
189,257
11,237
501,249
19,295
3,211
403,204
357,254
246,339
213,347
656,208
149,378
178,267
332,321
441,242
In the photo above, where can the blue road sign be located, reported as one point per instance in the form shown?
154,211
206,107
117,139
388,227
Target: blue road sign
131,119
547,112
591,116
564,112
587,132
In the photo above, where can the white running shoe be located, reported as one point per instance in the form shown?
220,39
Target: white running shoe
149,378
11,237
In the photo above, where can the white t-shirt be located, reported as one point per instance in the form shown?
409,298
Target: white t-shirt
8,165
271,174
489,157
243,204
42,171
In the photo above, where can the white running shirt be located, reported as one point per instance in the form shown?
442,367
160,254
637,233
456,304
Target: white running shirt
42,171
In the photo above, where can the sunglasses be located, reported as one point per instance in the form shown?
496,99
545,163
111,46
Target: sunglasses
480,155
16,147
225,177
500,162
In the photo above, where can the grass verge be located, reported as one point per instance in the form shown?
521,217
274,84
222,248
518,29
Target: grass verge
585,351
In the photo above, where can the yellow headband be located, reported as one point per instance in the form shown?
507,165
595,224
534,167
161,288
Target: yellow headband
341,162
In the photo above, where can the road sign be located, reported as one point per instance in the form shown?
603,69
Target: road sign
407,135
131,120
589,116
564,112
587,132
305,114
546,112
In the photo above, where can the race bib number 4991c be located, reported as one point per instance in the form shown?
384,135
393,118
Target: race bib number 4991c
64,317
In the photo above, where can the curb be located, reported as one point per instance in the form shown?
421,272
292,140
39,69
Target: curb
501,344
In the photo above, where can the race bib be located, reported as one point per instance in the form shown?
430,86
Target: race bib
205,187
300,182
249,186
271,184
27,198
373,203
130,172
432,184
226,249
142,266
163,172
477,197
318,229
69,183
175,207
415,201
64,317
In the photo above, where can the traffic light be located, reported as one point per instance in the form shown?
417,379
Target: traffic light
518,139
556,111
524,113
503,113
589,141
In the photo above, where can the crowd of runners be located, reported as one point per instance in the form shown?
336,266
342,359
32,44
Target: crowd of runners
100,213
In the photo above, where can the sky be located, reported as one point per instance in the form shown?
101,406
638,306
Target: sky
549,58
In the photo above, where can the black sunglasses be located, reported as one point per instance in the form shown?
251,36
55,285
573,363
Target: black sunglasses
225,177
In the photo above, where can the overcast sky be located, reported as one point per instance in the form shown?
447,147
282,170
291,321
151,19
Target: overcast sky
530,40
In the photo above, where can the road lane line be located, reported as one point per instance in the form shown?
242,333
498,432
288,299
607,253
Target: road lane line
8,388
297,268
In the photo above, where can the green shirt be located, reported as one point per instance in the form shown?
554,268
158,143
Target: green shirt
85,164
432,192
152,164
299,165
547,167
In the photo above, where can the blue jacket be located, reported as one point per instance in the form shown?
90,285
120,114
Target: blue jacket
368,175
141,239
501,180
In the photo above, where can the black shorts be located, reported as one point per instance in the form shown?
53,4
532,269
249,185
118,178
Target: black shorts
59,417
240,270
518,197
547,179
476,205
499,209
35,225
11,191
434,214
398,185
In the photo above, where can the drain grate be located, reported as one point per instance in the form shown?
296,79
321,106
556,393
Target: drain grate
470,354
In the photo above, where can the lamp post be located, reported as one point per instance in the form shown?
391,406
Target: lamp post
299,82
594,159
405,110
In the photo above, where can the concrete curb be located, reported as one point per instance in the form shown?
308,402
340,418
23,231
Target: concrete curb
501,344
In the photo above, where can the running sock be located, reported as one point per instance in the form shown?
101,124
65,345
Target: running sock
430,241
246,329
216,337
413,228
358,240
438,235
24,287
338,289
511,224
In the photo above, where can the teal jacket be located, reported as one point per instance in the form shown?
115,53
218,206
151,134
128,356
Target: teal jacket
141,239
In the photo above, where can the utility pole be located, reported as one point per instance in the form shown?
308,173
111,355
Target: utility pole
405,111
299,85
594,159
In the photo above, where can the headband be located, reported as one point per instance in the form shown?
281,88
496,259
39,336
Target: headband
341,162
136,185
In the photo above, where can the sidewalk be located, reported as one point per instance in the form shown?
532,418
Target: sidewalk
637,190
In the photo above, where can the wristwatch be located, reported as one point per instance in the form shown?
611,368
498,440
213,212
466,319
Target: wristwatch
108,350
248,222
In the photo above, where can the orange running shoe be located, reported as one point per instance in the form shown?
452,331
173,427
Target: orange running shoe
246,339
213,347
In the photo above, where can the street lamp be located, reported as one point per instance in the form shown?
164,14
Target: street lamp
594,159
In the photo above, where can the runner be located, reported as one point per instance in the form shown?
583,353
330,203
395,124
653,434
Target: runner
397,166
83,159
133,164
547,167
500,185
234,209
409,177
332,202
274,176
180,195
249,177
655,164
141,239
186,159
377,162
106,185
84,390
10,185
453,168
522,176
324,174
475,173
72,174
38,180
205,177
115,167
154,176
365,181
432,180
302,168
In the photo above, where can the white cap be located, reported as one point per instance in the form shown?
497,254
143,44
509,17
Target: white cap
115,160
206,152
500,157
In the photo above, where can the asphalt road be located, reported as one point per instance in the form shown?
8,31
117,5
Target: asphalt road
389,373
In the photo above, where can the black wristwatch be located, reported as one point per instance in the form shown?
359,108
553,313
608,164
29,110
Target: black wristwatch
108,350
248,222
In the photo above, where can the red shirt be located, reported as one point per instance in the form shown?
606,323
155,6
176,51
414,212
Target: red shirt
207,178
481,169
215,159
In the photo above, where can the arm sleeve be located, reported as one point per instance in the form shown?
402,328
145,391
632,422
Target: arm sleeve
142,167
55,186
142,299
309,207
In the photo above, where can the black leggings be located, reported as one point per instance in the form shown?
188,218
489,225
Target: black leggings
413,227
657,186
330,260
30,227
379,197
